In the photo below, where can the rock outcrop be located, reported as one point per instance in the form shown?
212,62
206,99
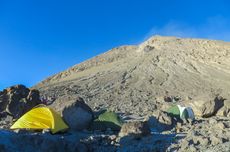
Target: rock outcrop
17,100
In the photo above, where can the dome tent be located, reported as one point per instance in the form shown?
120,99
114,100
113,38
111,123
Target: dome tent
107,119
181,112
40,118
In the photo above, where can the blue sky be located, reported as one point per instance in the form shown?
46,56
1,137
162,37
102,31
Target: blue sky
42,37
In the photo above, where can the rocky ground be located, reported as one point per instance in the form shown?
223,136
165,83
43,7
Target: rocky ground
138,83
206,135
156,132
210,134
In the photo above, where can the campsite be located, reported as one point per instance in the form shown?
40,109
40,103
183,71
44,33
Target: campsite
77,127
115,76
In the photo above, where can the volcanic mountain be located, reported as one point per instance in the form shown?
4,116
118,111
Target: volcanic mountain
132,78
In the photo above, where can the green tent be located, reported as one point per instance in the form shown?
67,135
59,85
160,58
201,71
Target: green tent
181,112
174,111
107,120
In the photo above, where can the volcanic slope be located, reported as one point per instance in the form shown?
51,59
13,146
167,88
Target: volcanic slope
131,78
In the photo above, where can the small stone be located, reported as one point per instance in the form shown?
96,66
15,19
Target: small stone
191,121
204,141
196,140
184,144
45,131
113,137
220,125
200,140
215,140
179,128
212,121
192,148
91,138
179,125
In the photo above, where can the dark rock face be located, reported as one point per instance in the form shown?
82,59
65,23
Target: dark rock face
3,100
78,115
17,100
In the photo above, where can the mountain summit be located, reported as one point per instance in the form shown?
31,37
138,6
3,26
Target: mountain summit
136,75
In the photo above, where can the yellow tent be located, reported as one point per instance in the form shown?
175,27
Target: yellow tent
41,118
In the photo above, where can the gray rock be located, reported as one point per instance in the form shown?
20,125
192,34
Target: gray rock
192,148
184,145
78,115
172,99
212,121
225,110
204,141
179,127
135,129
160,121
164,118
220,126
210,108
200,140
148,48
207,107
215,140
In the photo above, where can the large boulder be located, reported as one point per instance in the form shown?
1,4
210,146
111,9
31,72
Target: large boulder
77,114
206,108
210,108
17,100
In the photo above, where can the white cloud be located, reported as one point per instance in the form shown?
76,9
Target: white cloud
213,28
